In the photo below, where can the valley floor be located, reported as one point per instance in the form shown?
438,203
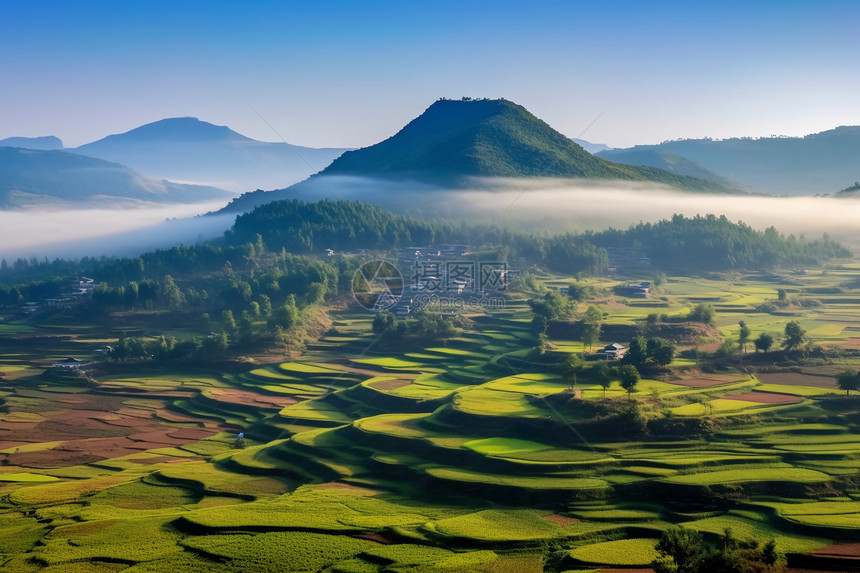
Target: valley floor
468,454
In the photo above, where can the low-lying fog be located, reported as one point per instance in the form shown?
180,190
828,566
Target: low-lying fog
93,232
557,205
537,205
545,205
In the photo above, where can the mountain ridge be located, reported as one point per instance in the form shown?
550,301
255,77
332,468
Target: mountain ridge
188,149
455,141
816,163
45,142
32,177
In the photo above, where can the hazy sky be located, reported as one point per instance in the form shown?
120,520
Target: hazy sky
349,74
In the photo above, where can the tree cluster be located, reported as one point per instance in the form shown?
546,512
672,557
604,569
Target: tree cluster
684,550
650,351
713,243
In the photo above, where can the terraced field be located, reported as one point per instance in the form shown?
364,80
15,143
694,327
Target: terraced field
471,454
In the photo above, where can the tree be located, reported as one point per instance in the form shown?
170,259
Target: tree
661,351
637,354
743,336
227,321
384,322
572,365
552,306
603,375
629,377
763,342
171,293
701,313
685,551
795,336
682,549
286,315
727,348
580,291
539,324
592,321
849,380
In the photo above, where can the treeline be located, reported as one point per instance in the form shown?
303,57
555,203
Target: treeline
302,227
701,243
712,243
261,255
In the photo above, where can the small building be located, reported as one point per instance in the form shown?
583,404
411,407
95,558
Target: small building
69,364
633,290
612,351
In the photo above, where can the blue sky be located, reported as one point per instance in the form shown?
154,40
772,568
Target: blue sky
348,74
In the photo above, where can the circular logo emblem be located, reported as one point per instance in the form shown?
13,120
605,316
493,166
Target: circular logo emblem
377,286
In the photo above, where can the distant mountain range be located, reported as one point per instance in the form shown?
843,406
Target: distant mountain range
592,148
450,144
45,143
189,150
819,163
32,177
670,162
455,141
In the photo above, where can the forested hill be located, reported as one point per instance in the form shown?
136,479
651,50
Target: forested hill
277,235
715,243
680,243
454,141
489,138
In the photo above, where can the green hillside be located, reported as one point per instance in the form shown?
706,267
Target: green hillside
490,138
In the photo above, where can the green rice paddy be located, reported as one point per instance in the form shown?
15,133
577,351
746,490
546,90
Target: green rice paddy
470,454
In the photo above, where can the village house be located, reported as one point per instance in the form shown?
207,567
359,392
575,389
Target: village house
612,351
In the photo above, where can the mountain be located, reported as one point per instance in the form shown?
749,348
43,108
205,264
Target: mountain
455,141
816,163
190,150
45,142
852,191
593,148
30,177
670,162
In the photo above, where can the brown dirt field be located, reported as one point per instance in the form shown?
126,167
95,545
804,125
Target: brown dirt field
92,427
157,437
840,550
797,379
852,341
390,384
374,537
561,520
48,459
192,434
765,398
231,396
176,417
